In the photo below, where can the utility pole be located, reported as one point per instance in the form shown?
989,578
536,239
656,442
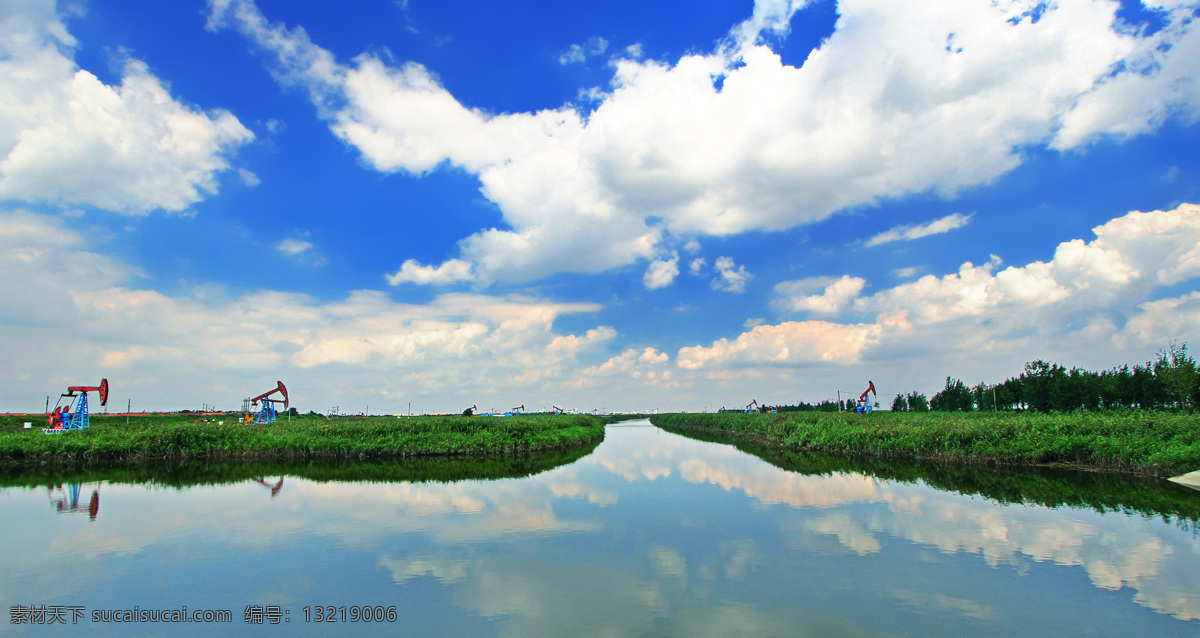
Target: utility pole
128,404
47,404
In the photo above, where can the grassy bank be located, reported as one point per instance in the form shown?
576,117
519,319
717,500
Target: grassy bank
1145,443
111,440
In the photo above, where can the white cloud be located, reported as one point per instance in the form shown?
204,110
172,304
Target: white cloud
789,343
78,313
573,344
646,367
884,108
909,232
1159,79
1162,320
1131,256
68,138
661,273
451,271
730,277
770,16
1091,305
836,294
292,246
579,53
697,265
249,178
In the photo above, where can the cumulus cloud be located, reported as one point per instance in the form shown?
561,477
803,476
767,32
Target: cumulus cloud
1131,256
661,273
73,140
909,232
835,296
574,344
75,312
646,366
1089,293
449,272
730,276
789,343
902,98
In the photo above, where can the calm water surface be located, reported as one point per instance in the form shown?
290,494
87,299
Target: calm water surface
652,534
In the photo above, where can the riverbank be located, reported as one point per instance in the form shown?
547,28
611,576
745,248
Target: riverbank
111,440
1140,442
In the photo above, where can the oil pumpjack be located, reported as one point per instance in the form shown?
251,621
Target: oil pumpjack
864,404
64,419
265,414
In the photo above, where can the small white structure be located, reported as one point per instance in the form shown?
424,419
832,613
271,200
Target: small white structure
1191,479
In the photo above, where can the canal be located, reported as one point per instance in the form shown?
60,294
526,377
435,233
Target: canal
651,534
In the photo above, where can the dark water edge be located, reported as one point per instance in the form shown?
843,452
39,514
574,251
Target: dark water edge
1048,487
189,472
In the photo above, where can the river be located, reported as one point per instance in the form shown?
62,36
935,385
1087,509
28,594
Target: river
651,534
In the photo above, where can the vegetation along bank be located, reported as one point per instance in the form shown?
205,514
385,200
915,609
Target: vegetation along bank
110,439
1143,442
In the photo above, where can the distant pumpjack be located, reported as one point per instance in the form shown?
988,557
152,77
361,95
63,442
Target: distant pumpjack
63,418
864,405
267,413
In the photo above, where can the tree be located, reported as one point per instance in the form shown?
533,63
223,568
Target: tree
900,403
917,402
982,395
469,412
1037,385
955,397
1004,397
1177,373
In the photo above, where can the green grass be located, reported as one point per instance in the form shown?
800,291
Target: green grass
1141,442
110,440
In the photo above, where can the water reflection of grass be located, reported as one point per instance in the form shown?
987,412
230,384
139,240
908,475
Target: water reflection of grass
109,439
190,472
1140,442
1049,487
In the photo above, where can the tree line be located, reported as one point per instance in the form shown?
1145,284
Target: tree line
1171,380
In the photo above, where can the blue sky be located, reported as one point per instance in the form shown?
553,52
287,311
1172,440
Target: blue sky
622,206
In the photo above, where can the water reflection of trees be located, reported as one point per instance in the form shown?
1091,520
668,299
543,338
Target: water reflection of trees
1100,491
203,472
